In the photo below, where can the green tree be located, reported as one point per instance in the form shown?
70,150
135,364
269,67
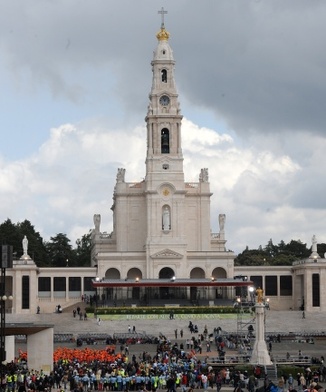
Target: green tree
251,257
13,234
281,246
284,259
60,251
271,249
282,254
298,249
321,248
83,250
9,235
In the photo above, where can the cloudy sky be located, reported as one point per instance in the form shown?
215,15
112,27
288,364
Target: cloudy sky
74,82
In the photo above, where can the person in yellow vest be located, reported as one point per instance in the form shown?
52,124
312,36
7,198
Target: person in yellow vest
154,381
9,382
14,382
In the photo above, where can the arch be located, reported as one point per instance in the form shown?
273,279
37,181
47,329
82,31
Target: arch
197,273
219,273
166,273
164,76
167,293
165,141
112,273
134,273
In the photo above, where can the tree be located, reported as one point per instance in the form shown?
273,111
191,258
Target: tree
298,249
281,246
284,259
321,248
13,234
251,257
83,250
282,254
271,249
60,251
9,235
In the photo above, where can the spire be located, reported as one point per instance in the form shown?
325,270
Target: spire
162,35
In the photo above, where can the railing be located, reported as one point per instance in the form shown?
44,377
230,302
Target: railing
192,184
229,359
292,359
309,261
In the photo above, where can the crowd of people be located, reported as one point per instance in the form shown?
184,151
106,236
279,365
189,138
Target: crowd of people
171,369
174,366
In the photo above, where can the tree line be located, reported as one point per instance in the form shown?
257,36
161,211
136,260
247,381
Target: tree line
58,252
281,254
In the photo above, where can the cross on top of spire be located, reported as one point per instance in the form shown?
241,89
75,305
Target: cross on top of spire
162,12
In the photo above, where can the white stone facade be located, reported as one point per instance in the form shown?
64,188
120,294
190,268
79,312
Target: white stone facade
161,229
162,222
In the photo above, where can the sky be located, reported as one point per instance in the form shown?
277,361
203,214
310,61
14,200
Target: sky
74,83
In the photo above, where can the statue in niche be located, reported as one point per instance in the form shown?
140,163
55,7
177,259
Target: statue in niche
97,222
121,175
221,221
166,219
25,246
203,176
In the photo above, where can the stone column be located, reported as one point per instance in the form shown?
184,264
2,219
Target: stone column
10,348
40,350
260,354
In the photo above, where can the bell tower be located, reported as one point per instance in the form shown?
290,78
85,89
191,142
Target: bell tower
164,157
164,181
161,224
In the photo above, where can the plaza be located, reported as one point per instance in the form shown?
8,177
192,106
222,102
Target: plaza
277,322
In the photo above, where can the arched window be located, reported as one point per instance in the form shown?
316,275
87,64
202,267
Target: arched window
164,76
165,141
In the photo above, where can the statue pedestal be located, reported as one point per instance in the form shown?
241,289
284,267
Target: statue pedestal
260,354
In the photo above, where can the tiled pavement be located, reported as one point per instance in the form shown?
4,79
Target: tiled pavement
276,322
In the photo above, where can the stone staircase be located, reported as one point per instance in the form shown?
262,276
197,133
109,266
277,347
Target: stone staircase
73,306
271,373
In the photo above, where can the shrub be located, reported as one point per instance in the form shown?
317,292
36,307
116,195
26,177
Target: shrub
162,310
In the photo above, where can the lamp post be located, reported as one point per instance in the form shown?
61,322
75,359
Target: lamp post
251,293
6,262
260,355
2,319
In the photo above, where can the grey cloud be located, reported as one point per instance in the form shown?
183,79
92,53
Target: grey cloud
260,66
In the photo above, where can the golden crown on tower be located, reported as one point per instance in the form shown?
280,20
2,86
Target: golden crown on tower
163,35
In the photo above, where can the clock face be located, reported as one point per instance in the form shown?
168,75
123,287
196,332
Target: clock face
164,100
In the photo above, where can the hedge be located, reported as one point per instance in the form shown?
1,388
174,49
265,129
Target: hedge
163,310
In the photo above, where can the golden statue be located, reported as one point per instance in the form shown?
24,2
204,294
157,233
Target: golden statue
259,293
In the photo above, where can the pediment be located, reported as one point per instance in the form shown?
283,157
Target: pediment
167,254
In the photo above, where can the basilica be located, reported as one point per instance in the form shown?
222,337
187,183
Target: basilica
161,250
161,225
